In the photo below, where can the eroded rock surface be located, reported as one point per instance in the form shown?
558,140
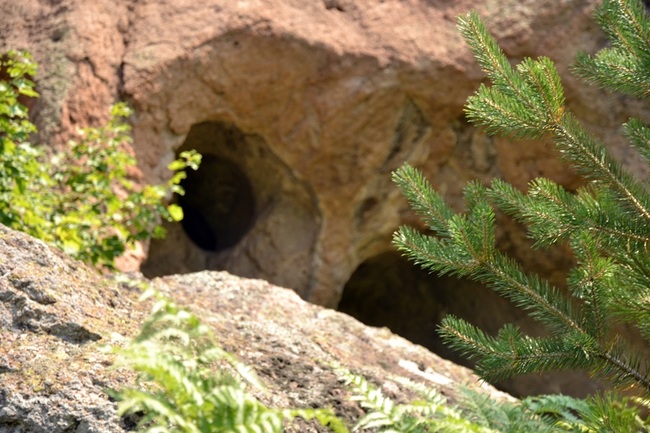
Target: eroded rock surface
55,314
303,109
314,103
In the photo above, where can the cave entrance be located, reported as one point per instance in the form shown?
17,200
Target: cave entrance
218,204
388,290
246,212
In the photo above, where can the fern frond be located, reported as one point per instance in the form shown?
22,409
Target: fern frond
503,416
325,417
600,413
429,415
185,385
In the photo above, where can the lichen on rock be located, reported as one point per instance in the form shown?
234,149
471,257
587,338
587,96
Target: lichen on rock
54,375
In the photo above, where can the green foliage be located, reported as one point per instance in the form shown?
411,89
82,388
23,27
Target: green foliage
81,199
606,224
18,159
622,67
188,384
431,414
599,414
503,416
478,412
553,413
97,211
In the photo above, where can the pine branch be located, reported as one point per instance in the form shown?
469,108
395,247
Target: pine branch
552,214
511,353
512,103
624,371
470,252
622,68
529,102
633,306
606,224
425,200
638,135
594,162
592,280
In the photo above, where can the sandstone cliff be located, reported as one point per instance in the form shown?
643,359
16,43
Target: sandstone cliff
302,109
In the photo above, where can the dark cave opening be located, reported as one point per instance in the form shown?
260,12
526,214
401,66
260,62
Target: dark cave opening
218,204
388,290
245,212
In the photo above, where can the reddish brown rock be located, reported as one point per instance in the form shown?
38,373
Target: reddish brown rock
303,108
315,103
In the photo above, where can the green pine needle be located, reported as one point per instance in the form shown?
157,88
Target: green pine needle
606,223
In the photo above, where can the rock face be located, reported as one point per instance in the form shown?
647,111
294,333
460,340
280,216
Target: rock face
55,314
302,109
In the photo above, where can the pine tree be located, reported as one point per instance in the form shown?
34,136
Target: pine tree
606,223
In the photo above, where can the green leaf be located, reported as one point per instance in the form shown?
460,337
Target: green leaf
177,165
175,211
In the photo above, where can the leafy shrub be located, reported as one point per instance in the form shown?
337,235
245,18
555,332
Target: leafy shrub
80,199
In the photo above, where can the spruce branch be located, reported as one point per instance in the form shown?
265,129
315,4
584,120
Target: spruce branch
592,160
425,200
531,293
624,371
529,102
624,66
625,23
633,306
546,209
466,247
511,353
606,224
525,102
591,281
638,135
